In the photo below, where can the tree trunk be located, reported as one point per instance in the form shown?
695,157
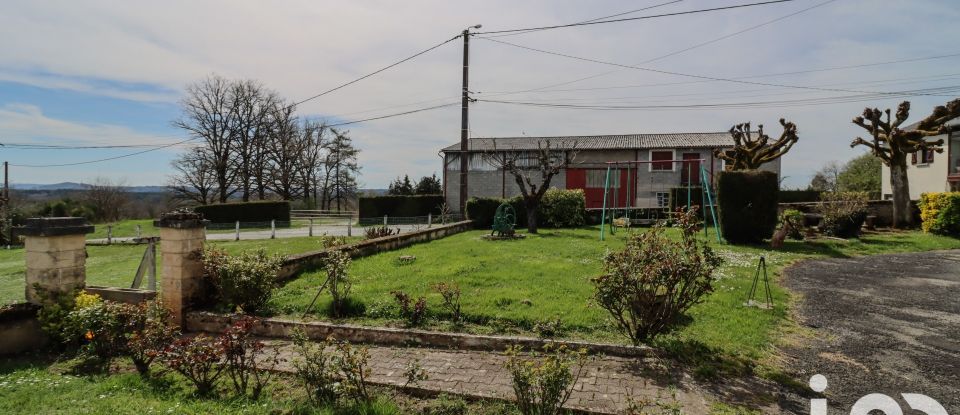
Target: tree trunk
902,212
532,216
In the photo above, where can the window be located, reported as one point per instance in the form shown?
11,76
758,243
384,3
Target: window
922,157
666,156
663,199
597,178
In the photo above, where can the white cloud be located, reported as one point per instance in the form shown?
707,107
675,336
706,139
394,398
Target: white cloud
303,47
27,123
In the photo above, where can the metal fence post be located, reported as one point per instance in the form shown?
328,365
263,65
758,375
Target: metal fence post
311,228
109,234
237,237
273,228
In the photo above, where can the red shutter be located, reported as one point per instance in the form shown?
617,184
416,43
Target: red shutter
913,158
930,156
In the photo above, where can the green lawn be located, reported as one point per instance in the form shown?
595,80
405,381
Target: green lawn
124,228
115,265
510,285
33,385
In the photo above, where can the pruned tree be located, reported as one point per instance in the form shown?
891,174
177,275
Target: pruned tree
207,115
194,180
753,149
892,145
546,161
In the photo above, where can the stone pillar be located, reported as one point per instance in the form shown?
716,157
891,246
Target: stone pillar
56,255
181,247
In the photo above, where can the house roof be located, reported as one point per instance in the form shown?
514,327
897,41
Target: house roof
602,142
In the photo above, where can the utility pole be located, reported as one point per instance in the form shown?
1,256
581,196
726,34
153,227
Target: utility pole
465,120
5,207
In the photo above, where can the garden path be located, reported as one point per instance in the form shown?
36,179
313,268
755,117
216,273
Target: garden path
607,385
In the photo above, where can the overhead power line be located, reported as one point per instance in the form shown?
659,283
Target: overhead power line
394,115
627,19
596,19
108,158
665,72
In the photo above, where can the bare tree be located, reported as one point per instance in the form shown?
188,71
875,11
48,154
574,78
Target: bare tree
107,199
750,152
826,179
311,157
194,180
250,109
522,165
341,169
207,115
283,150
892,145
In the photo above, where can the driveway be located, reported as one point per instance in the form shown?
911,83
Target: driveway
885,324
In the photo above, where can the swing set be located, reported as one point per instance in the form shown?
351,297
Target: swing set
646,206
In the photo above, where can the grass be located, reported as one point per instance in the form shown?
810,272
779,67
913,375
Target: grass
115,265
510,286
41,385
124,228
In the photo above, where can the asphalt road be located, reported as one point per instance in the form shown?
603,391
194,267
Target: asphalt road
885,324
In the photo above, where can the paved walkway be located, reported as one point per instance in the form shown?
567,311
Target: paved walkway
606,386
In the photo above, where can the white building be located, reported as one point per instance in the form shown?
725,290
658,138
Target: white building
930,171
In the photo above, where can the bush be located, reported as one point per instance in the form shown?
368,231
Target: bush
799,196
413,311
259,211
451,298
843,213
481,210
338,281
314,368
246,281
406,205
102,328
148,333
563,208
794,219
747,203
198,358
543,383
245,358
678,198
940,213
375,232
651,282
350,362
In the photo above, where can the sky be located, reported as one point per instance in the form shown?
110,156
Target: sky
113,72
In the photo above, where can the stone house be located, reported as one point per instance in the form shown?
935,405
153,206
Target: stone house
643,186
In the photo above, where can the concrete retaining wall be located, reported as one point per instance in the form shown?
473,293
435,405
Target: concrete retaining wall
279,328
121,295
19,329
882,209
296,263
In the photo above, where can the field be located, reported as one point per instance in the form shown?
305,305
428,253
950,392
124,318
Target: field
115,265
511,286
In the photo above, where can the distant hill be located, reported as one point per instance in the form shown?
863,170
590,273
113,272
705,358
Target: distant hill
81,186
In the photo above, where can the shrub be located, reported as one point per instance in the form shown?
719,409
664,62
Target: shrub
747,202
451,298
678,198
563,208
258,211
245,358
53,315
799,196
148,333
246,281
400,206
102,328
548,328
794,219
198,358
481,211
940,213
338,281
314,368
413,311
543,383
350,363
843,213
374,232
654,279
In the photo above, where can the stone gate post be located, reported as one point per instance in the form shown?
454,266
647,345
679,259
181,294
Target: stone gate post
181,245
55,255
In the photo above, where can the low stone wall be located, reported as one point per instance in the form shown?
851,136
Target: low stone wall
882,209
385,336
121,295
19,329
296,263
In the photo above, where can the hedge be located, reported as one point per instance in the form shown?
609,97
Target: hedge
940,213
259,211
559,208
799,196
401,206
747,202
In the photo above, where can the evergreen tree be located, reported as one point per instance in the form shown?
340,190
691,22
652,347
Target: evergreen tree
429,185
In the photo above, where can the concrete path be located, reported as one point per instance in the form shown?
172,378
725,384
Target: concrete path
885,324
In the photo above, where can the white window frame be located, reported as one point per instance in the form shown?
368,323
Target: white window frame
666,199
673,156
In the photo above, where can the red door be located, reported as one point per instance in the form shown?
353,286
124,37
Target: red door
592,182
690,170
